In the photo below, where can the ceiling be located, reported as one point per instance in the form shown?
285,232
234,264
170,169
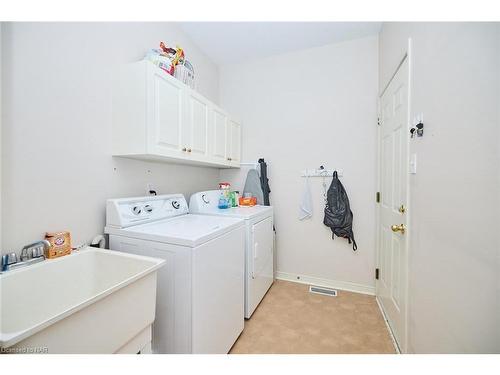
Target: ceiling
236,42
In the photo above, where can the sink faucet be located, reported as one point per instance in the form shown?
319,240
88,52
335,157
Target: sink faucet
30,254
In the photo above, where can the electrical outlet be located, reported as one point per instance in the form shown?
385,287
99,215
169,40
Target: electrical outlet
150,189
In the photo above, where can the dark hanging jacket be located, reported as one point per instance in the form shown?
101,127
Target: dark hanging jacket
338,214
264,182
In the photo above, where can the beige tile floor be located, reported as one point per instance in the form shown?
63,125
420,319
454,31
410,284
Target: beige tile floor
291,320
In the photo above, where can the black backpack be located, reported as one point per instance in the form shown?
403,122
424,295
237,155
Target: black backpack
338,214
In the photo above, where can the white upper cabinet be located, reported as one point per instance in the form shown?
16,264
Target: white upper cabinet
233,142
157,117
218,135
225,138
167,122
197,127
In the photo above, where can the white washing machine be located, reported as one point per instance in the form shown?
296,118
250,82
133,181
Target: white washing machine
259,242
200,294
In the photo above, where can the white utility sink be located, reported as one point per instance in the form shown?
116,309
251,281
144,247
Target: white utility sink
92,301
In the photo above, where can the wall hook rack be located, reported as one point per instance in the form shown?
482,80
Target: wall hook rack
321,172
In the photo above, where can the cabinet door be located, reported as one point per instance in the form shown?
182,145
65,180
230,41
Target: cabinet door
198,116
234,142
218,137
167,122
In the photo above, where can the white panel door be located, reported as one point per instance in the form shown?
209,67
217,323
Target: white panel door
198,123
167,118
219,135
234,142
394,138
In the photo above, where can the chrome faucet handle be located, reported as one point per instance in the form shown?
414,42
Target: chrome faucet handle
12,258
24,254
8,259
35,250
38,252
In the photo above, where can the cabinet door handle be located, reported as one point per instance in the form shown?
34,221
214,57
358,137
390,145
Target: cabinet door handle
184,149
189,150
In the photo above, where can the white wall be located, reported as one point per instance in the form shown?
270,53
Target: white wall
56,162
302,110
454,251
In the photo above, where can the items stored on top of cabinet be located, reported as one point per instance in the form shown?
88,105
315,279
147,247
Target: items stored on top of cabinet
174,62
157,117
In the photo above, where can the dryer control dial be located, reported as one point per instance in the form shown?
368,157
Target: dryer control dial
176,204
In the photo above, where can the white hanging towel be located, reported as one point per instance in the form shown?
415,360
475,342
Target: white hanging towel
306,207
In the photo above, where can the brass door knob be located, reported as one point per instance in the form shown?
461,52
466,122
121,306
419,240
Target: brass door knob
399,228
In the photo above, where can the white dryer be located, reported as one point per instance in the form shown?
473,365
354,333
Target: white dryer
259,256
200,294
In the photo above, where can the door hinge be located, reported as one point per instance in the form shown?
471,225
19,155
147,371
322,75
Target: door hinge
378,197
378,121
376,273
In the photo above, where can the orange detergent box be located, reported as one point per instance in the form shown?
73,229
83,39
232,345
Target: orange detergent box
60,244
248,201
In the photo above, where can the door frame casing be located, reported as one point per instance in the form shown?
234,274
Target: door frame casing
407,55
1,127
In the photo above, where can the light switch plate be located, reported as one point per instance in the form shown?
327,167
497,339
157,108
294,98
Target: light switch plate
413,164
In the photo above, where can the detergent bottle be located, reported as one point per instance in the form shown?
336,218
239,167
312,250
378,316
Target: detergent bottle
224,197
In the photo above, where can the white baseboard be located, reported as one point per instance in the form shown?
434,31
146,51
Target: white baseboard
342,285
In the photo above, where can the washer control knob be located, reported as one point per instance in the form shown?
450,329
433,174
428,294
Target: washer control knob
136,210
176,205
148,208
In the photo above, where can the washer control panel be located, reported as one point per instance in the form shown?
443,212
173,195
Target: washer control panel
124,212
204,201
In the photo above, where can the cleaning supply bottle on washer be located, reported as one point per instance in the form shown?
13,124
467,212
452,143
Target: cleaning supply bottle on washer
225,195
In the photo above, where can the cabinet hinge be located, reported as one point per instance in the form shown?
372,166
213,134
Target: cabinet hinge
377,272
377,199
